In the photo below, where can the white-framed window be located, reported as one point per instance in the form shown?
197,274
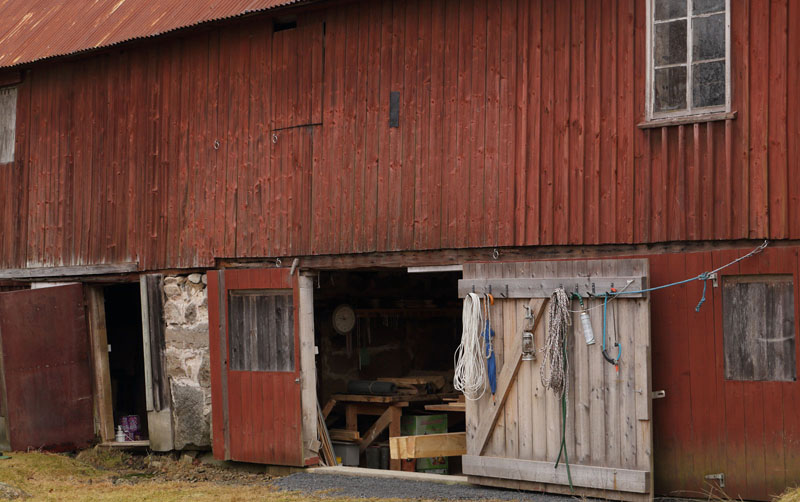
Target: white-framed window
688,58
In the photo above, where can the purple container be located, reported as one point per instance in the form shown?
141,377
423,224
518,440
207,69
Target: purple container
130,426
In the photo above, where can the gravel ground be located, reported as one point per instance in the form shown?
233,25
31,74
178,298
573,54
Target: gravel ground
335,485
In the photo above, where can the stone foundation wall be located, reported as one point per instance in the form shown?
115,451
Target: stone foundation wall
187,357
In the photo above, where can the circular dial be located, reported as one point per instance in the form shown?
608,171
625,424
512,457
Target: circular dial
344,319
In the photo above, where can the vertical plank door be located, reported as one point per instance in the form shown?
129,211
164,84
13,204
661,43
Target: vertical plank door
47,369
514,437
255,366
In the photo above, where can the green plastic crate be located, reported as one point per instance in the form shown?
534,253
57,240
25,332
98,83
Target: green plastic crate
420,425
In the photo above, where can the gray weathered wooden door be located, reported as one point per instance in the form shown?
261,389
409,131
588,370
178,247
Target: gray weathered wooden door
514,438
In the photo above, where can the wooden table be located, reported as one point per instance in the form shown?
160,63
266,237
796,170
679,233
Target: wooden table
388,409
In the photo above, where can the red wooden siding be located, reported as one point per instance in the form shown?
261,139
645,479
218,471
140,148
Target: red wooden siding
750,431
517,127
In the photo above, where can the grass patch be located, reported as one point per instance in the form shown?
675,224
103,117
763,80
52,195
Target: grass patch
101,475
790,495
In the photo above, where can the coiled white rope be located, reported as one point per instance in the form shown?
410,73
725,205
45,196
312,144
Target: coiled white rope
470,375
553,370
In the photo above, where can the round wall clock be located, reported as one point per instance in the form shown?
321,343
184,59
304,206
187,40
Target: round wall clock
344,319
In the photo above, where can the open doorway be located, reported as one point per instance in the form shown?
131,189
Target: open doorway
123,315
385,368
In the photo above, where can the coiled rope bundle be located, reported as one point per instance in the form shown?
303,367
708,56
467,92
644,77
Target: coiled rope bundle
470,365
554,366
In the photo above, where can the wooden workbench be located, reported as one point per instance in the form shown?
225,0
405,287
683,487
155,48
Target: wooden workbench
388,409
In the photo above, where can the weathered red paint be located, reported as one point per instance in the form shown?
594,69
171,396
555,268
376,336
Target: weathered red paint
750,431
264,421
517,126
47,368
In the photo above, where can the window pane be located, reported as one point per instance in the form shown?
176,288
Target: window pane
709,37
670,89
670,43
706,6
669,9
708,84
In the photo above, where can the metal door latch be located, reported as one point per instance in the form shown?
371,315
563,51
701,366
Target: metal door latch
719,478
296,380
658,394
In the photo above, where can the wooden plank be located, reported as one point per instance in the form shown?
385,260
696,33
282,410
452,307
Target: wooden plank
544,287
102,376
628,480
431,445
68,271
344,435
376,429
504,382
308,367
560,489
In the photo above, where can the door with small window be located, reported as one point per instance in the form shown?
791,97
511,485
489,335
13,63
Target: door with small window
255,366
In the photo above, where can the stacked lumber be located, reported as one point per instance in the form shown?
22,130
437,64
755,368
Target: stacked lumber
449,404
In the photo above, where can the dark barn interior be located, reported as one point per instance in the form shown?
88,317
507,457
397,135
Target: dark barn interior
405,330
126,355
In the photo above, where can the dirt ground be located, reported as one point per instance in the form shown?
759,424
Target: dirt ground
103,475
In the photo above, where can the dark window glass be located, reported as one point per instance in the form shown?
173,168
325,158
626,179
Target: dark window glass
669,9
706,6
670,89
709,37
670,43
708,84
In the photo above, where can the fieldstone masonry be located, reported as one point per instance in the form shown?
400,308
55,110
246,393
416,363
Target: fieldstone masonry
187,357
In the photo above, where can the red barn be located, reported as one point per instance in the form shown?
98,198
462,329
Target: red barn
217,183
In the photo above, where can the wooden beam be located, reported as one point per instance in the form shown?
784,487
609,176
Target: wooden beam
102,374
430,445
344,435
491,413
400,259
76,271
543,288
308,365
328,408
604,478
377,428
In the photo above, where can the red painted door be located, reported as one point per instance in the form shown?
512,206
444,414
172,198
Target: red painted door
255,366
47,368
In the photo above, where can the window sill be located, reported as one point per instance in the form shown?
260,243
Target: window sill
691,119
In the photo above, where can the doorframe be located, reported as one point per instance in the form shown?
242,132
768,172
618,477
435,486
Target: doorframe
161,435
101,381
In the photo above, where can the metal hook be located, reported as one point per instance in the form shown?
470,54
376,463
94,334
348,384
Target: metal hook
274,138
495,254
277,262
216,144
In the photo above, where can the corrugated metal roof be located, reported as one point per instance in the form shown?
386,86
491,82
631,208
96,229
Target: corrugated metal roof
31,30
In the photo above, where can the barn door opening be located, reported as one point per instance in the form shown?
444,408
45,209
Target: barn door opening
46,368
265,405
387,339
126,359
514,438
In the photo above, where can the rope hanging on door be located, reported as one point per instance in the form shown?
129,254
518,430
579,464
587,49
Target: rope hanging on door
470,364
555,364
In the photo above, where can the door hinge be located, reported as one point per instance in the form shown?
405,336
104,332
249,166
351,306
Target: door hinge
719,478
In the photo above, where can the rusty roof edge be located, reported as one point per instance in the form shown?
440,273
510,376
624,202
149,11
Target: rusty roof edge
242,14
